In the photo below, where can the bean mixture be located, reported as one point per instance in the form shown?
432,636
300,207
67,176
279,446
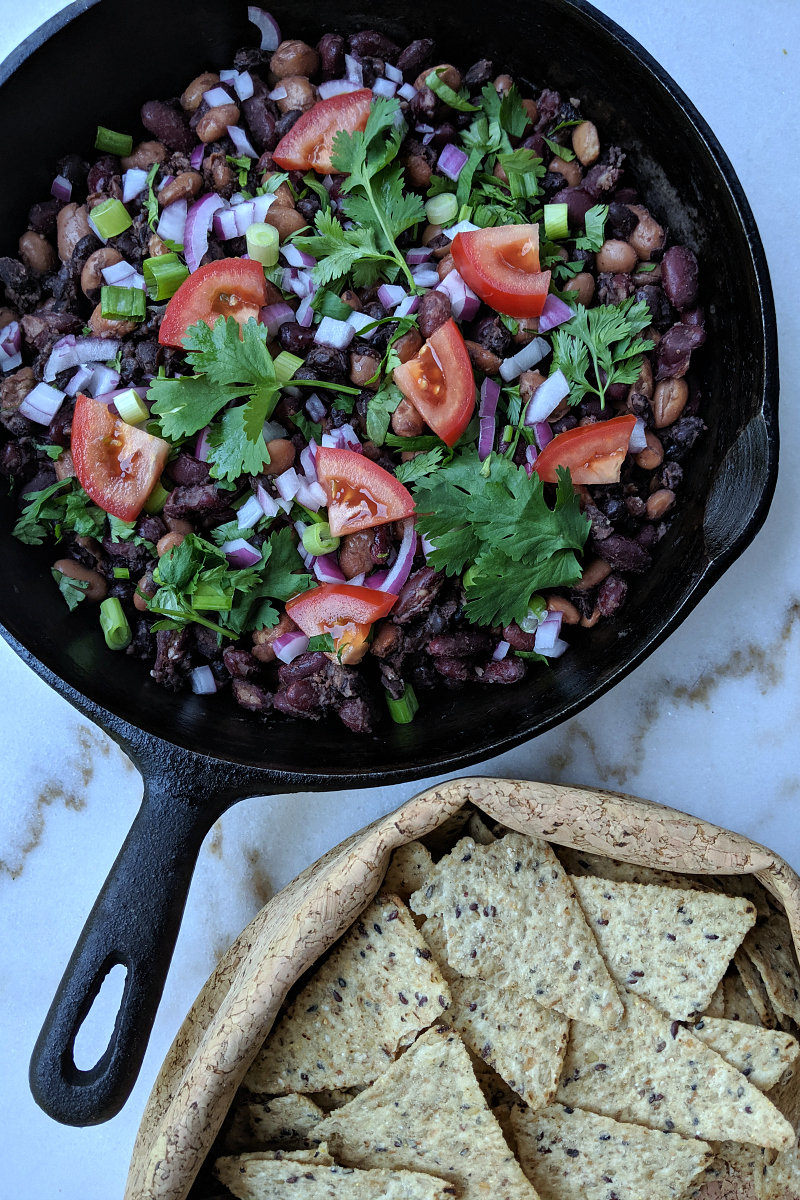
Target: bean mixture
199,580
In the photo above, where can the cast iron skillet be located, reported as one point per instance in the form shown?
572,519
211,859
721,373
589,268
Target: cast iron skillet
97,62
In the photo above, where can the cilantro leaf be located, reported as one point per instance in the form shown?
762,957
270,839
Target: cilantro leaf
560,151
73,590
39,507
328,304
604,339
230,353
151,201
524,170
466,176
379,411
339,250
81,515
185,406
54,452
451,98
417,468
237,442
595,225
322,642
283,574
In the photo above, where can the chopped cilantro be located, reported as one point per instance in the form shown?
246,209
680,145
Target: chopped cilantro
53,452
73,590
511,324
451,98
322,642
524,170
598,339
595,224
417,468
379,411
309,429
328,304
560,151
63,505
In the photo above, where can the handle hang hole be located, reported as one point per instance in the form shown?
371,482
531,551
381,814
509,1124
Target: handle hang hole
97,1027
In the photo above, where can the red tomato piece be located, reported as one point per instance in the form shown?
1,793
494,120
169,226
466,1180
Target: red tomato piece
230,287
117,464
593,453
360,493
440,384
501,265
344,610
309,143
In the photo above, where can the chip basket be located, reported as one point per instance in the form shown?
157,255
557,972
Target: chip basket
237,1007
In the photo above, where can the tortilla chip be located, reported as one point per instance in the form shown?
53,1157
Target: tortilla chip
737,1003
745,886
670,947
479,830
754,985
493,1086
334,1098
427,1113
502,1114
570,1154
446,834
253,1178
282,1119
786,1098
654,1072
742,1158
762,1055
716,1005
374,993
511,918
409,869
780,1180
771,950
582,863
522,1041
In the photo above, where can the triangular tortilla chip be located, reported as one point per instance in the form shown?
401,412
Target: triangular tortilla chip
737,1004
653,1072
771,949
583,862
511,917
571,1154
780,1180
762,1055
427,1113
377,990
282,1119
754,986
255,1177
479,830
746,886
671,947
334,1098
716,1005
409,869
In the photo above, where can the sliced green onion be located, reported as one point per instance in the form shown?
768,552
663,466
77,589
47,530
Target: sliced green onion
556,220
210,597
402,711
465,212
122,304
156,500
111,217
442,209
131,408
113,143
163,276
263,242
114,624
285,366
121,573
318,539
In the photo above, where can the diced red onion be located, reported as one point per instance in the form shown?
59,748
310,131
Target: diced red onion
70,351
559,648
269,505
241,141
531,454
117,273
425,277
638,441
61,189
249,514
500,651
337,87
418,256
393,73
10,338
277,93
327,182
312,496
216,97
336,334
543,434
486,437
305,312
353,70
238,198
327,570
546,398
307,459
275,315
290,645
463,301
196,157
490,394
42,404
299,282
240,553
78,381
228,76
391,294
202,681
11,363
224,224
316,410
423,129
384,87
167,179
270,30
349,438
273,430
555,312
461,227
332,440
202,445
261,206
524,359
134,182
427,138
244,217
407,91
300,527
407,306
452,161
359,321
198,227
428,546
296,257
173,221
243,85
287,484
394,579
356,581
95,230
547,632
104,380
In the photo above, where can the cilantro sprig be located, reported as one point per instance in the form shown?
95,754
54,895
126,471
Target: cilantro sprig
62,507
603,340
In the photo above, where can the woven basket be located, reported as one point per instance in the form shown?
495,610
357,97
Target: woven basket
234,1012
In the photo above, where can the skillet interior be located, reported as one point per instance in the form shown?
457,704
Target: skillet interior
107,61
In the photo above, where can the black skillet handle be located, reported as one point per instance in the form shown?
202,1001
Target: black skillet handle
135,922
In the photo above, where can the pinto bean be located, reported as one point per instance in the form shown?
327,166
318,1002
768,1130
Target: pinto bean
659,504
294,57
263,638
450,75
168,542
482,359
286,220
434,309
281,456
192,98
503,85
583,284
91,275
36,252
593,573
571,171
300,94
409,345
214,124
569,613
97,589
106,327
644,383
529,383
446,265
648,234
354,553
586,142
185,186
418,171
616,256
669,401
149,587
653,454
72,224
363,367
406,421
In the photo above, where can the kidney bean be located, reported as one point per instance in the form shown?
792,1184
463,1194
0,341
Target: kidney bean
679,276
624,554
461,644
97,589
286,122
42,217
310,663
295,338
674,350
188,471
331,54
416,55
492,333
417,594
507,670
370,42
169,124
240,663
517,638
452,668
578,203
434,309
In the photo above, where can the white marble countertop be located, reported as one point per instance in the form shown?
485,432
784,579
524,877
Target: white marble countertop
708,724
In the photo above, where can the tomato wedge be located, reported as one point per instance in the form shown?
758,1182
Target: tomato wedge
117,464
440,384
344,610
309,143
501,265
593,453
230,287
360,493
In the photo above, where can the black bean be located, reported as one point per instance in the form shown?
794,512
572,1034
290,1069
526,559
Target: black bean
491,333
295,338
42,217
621,221
331,55
623,554
261,123
308,208
424,106
670,476
478,74
287,121
251,696
151,528
188,471
662,313
415,57
327,362
373,44
613,289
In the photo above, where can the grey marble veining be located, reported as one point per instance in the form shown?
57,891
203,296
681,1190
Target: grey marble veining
707,724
